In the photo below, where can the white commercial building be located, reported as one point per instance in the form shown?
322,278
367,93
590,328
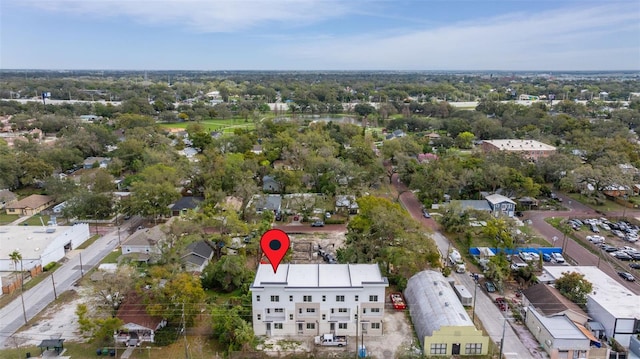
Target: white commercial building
38,245
313,299
610,303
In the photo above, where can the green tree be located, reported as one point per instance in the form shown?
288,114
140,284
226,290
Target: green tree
228,274
464,140
16,257
231,330
574,286
182,290
152,199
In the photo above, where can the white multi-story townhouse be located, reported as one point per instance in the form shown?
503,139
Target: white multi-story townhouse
313,299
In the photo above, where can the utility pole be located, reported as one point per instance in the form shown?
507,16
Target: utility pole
24,311
184,334
504,327
55,295
81,272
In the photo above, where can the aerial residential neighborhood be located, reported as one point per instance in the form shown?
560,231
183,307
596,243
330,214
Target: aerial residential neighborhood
402,246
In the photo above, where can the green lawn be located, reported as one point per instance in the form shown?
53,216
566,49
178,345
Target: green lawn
599,205
112,257
227,126
7,218
35,220
89,242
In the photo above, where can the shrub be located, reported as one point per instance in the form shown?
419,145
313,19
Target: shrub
49,266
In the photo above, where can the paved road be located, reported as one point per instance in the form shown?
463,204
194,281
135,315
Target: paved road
491,317
65,277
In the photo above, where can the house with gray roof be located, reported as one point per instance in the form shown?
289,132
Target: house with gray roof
558,335
197,256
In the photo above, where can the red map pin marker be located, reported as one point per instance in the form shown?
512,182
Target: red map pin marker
274,244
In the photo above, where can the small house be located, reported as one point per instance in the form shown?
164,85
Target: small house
197,256
184,204
29,206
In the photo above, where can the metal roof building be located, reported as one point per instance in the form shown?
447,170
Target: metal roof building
441,322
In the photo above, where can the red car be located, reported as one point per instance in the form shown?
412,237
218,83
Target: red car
501,303
398,301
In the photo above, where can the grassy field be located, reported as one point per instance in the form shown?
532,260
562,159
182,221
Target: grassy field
7,218
601,205
88,242
35,220
226,126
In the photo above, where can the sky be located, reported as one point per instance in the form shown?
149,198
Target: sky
402,35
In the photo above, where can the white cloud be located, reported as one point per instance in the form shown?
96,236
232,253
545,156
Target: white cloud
201,15
567,39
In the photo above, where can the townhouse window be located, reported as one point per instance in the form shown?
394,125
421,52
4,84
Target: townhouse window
579,354
357,297
438,349
277,325
324,298
268,310
311,325
364,310
291,298
259,317
311,310
299,310
375,310
257,298
275,298
339,298
306,298
373,298
324,317
278,310
290,316
342,325
473,348
563,354
375,325
342,310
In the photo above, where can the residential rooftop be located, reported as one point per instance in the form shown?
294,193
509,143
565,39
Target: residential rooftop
320,275
560,327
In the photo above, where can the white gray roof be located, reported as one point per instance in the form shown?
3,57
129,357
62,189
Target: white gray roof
560,326
319,275
498,198
433,304
607,292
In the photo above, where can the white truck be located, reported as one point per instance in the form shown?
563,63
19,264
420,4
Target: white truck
456,261
331,340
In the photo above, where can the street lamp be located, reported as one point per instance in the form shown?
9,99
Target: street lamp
475,291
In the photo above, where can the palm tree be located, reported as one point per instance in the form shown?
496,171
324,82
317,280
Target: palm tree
16,257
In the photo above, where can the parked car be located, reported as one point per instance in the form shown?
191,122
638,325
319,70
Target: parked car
526,256
634,265
627,276
546,257
557,257
516,266
622,256
425,213
317,224
501,303
490,287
